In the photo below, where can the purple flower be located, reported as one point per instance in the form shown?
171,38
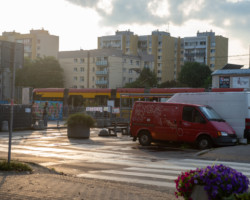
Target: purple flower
219,181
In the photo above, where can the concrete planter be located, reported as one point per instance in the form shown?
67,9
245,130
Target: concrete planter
199,192
78,131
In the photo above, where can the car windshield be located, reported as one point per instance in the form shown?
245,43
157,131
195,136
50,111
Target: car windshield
210,114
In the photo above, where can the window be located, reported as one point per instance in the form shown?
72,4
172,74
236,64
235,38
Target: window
124,69
130,80
38,47
75,78
137,63
81,78
75,69
82,60
82,69
38,41
93,60
212,58
203,43
130,71
124,60
159,71
93,69
159,64
211,65
159,57
150,43
124,78
190,114
81,86
74,86
159,50
75,60
212,50
131,62
93,78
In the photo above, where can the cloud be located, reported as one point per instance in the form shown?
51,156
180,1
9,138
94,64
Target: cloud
235,13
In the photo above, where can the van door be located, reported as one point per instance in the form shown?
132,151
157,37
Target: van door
191,125
166,123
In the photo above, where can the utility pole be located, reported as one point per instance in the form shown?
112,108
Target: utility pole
12,101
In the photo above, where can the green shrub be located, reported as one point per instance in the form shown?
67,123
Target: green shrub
80,119
14,166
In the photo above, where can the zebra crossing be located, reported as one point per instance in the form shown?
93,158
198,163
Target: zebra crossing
133,168
162,175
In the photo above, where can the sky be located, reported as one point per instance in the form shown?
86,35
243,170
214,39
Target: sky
79,23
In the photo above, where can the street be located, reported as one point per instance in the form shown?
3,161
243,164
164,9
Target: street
113,158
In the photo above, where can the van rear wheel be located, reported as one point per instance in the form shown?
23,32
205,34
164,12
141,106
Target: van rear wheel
145,138
204,142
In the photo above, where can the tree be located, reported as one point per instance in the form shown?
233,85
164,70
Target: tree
41,73
194,74
171,84
147,79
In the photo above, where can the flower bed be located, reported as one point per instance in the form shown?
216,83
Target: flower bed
219,182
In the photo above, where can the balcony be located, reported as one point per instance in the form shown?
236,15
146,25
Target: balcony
101,72
101,82
102,63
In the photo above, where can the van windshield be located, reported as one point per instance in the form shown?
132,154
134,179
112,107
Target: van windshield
211,114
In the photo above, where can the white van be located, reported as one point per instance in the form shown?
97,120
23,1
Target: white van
234,107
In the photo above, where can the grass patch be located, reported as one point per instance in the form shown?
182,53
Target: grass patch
14,166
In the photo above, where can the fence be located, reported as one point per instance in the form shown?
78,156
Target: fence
22,118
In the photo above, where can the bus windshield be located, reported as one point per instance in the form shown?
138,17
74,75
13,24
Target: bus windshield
210,114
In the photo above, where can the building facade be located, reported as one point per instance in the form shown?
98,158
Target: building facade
101,68
205,48
38,43
11,55
231,78
170,53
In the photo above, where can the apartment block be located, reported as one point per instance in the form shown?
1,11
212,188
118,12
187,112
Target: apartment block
170,53
37,43
11,56
205,48
101,68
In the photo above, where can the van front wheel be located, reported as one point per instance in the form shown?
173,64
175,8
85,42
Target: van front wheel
204,142
145,138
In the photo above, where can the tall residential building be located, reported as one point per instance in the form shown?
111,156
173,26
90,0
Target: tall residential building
125,41
38,43
171,53
205,48
101,68
11,55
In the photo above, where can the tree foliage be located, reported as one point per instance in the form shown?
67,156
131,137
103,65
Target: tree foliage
147,79
194,74
40,73
171,84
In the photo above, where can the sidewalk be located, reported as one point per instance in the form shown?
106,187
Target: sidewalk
45,185
238,153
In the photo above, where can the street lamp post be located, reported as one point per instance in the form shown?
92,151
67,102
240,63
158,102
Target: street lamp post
12,105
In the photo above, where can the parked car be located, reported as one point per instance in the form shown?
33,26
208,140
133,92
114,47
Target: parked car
156,121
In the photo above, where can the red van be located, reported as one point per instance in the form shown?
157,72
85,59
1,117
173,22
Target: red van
155,121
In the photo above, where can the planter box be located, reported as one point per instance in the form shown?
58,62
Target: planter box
78,131
199,192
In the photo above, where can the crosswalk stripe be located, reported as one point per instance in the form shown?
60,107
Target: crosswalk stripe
150,175
129,180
